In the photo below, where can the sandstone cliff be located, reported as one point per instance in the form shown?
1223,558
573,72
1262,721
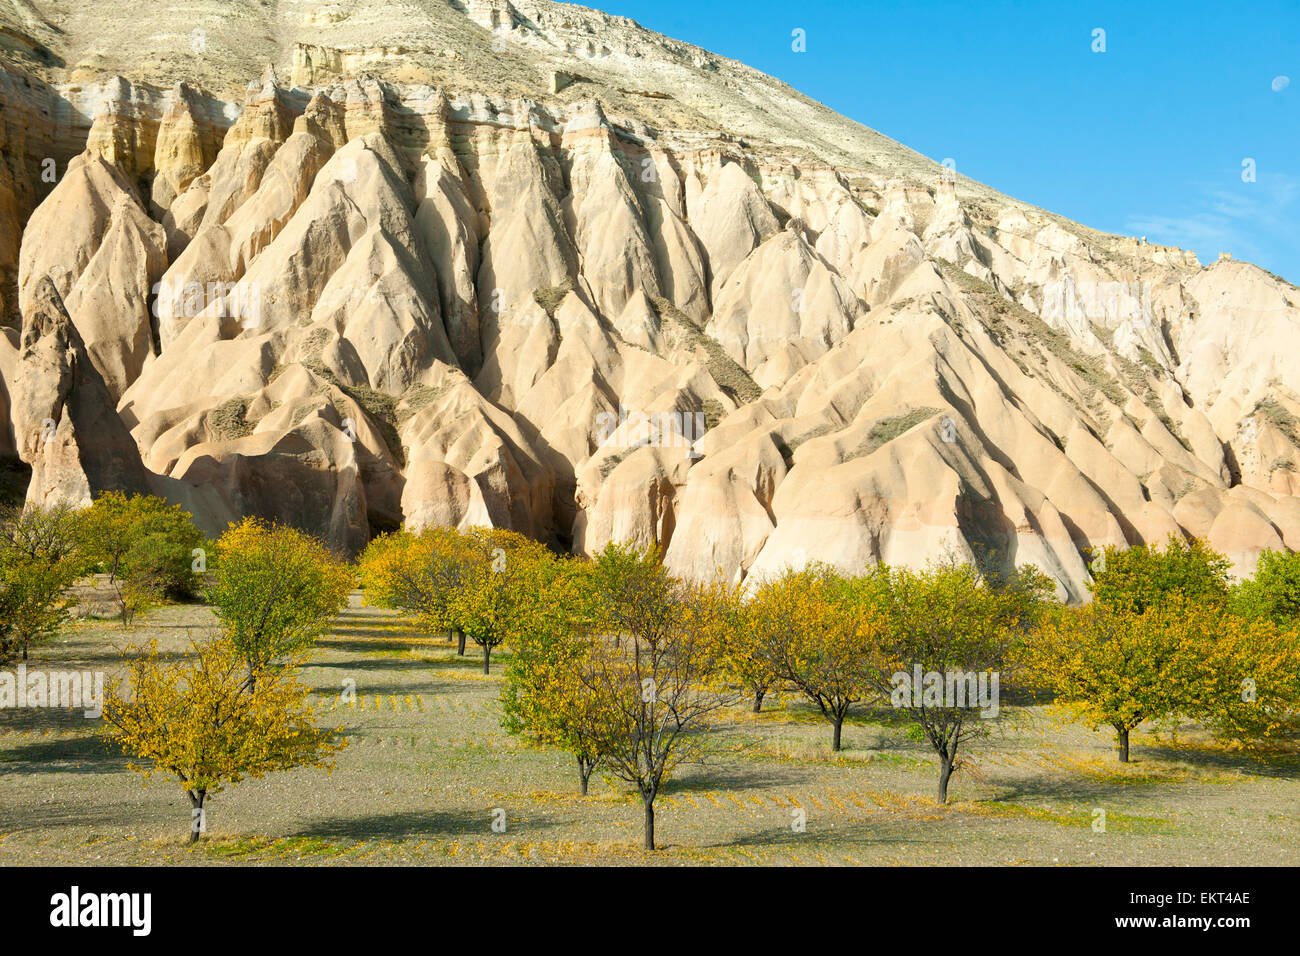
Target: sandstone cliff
362,264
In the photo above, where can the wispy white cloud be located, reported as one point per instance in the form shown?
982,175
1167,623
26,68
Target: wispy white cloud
1254,221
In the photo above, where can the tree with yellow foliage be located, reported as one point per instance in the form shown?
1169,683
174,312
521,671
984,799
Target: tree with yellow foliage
809,628
648,672
1118,667
1248,689
739,652
205,722
544,697
275,589
497,582
951,633
418,573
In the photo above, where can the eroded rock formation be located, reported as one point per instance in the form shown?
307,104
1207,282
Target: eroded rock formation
383,287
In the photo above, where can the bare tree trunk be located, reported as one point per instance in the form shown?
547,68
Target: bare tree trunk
460,635
487,657
758,699
945,772
584,774
839,724
196,803
649,822
1121,743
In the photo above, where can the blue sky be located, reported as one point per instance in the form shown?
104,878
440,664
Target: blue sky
1147,138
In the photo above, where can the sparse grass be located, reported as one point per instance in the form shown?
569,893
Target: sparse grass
229,421
380,407
549,299
1105,336
1090,368
1149,361
887,429
415,399
1280,418
302,411
1007,320
613,461
1114,821
788,448
1138,380
284,848
1189,485
312,347
731,377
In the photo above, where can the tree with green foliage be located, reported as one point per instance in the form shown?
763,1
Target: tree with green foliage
543,697
951,635
39,561
274,590
1144,576
148,548
496,586
1273,594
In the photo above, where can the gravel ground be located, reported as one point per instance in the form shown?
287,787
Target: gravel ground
428,766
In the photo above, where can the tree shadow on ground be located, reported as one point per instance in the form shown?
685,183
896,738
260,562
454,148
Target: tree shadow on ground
422,824
38,719
1279,766
1057,788
119,814
363,644
360,629
373,664
712,776
846,836
92,657
86,755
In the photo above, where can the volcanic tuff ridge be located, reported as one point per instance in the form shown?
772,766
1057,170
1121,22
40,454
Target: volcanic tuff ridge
496,263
